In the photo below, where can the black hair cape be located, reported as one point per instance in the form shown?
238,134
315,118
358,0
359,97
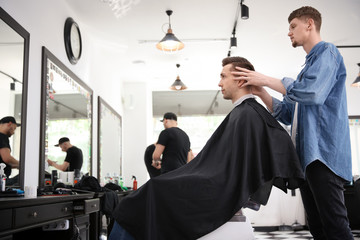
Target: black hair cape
248,154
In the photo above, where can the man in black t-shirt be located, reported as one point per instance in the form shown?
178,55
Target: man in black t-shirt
74,156
7,129
173,144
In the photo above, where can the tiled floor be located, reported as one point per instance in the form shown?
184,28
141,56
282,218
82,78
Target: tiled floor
297,235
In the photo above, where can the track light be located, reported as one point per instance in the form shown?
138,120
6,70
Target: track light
233,42
170,43
12,85
244,11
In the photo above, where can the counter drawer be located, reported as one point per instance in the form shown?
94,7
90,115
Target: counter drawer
5,219
40,213
87,206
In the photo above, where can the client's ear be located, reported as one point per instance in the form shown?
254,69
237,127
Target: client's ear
241,83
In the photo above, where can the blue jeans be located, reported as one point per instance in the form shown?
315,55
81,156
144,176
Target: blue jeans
119,233
323,198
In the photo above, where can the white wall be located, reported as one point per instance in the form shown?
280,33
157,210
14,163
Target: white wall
137,100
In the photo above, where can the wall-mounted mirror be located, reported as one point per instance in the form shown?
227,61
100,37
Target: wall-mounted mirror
14,60
109,141
66,111
354,125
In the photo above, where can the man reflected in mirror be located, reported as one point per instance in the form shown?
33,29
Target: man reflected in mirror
74,156
173,144
7,129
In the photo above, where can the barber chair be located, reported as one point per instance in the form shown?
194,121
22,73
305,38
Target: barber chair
238,227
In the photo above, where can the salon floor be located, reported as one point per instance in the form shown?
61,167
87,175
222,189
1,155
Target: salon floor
293,235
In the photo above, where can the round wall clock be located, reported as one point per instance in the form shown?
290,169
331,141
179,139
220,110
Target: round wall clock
72,38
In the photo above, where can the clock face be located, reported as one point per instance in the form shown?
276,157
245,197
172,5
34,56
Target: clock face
75,41
72,38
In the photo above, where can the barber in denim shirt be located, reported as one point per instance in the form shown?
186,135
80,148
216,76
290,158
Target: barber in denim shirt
323,129
320,126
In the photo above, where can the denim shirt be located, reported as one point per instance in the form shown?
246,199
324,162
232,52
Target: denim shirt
323,125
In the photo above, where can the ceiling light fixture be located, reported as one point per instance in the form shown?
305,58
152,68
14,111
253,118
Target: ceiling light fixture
178,84
356,83
12,85
244,11
233,41
244,15
170,43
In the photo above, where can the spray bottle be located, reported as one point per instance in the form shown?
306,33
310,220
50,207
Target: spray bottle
134,183
2,177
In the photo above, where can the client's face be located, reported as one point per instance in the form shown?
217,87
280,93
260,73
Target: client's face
227,83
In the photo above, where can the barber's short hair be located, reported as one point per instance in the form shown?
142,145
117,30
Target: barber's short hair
238,62
305,13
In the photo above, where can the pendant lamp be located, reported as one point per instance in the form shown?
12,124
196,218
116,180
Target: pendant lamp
170,43
178,84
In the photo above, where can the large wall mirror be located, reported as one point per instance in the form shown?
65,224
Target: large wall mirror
66,111
354,125
109,141
14,60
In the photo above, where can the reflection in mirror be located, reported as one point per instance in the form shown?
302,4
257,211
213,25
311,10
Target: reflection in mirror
66,112
354,126
14,57
109,142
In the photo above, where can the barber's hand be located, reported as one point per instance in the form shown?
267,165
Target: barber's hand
156,164
251,77
50,162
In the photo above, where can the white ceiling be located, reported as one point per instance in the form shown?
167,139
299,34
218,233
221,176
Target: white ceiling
205,27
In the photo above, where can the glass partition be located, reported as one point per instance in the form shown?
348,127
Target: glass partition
66,111
14,59
109,141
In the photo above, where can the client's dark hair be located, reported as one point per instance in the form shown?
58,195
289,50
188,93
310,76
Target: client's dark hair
238,62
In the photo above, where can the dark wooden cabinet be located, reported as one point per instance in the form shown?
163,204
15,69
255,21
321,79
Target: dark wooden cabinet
37,214
22,218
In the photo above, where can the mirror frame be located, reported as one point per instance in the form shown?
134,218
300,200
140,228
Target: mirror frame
46,54
24,34
103,103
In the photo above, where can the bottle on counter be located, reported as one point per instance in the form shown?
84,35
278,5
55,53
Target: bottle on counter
116,179
2,177
54,177
107,178
77,176
134,183
121,182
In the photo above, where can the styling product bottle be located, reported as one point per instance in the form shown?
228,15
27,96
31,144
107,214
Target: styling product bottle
121,182
2,177
76,176
108,178
54,177
134,183
116,179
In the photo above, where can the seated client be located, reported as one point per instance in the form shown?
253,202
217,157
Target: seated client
247,154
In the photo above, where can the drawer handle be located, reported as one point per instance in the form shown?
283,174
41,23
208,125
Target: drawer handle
93,206
34,214
65,209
